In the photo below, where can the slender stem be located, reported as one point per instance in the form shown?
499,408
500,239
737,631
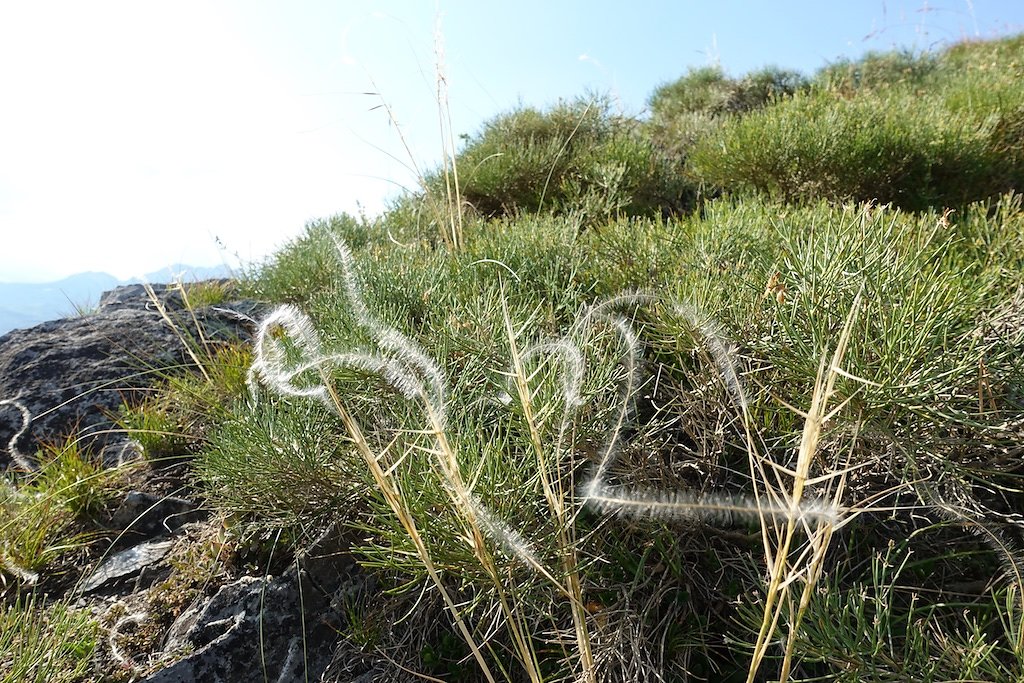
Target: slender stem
394,500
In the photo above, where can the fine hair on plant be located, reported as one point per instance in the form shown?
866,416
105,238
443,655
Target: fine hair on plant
291,359
304,370
115,632
781,499
961,508
14,445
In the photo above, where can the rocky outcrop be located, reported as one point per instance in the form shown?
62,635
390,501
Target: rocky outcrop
253,629
68,377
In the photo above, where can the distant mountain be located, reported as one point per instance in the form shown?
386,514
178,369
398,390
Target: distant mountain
28,304
179,272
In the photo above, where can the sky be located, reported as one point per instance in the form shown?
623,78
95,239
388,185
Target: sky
135,134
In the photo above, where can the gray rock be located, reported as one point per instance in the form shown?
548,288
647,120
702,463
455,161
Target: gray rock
126,563
148,515
267,629
71,375
275,629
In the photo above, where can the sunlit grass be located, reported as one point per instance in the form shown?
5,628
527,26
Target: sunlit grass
778,349
575,434
39,642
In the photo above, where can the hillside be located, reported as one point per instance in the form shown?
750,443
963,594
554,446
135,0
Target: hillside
729,392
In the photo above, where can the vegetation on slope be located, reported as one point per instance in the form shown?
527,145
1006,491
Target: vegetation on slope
732,393
918,132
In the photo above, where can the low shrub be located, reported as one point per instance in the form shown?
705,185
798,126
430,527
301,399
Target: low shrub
883,147
575,157
695,106
449,409
708,90
877,70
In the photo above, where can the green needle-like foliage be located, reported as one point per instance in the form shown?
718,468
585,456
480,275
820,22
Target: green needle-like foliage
730,393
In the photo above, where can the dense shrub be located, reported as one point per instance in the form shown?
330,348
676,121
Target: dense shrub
981,55
914,131
694,106
877,70
703,90
889,149
708,90
577,156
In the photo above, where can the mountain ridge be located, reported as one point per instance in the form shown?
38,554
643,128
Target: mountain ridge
25,304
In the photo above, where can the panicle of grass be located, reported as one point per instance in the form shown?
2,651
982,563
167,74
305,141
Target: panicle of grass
23,460
287,323
115,631
787,509
572,376
414,359
557,496
127,451
780,540
630,360
711,508
514,542
782,508
1010,557
720,350
270,355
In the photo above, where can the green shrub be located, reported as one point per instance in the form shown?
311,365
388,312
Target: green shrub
1005,54
696,105
920,131
766,86
877,70
278,470
705,90
709,91
577,156
884,147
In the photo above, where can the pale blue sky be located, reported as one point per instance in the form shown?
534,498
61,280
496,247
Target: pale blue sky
137,133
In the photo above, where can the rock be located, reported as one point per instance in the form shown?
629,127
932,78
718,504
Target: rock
275,629
126,563
68,376
148,515
252,630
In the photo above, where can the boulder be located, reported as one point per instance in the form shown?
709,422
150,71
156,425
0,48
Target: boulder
283,629
254,629
68,377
